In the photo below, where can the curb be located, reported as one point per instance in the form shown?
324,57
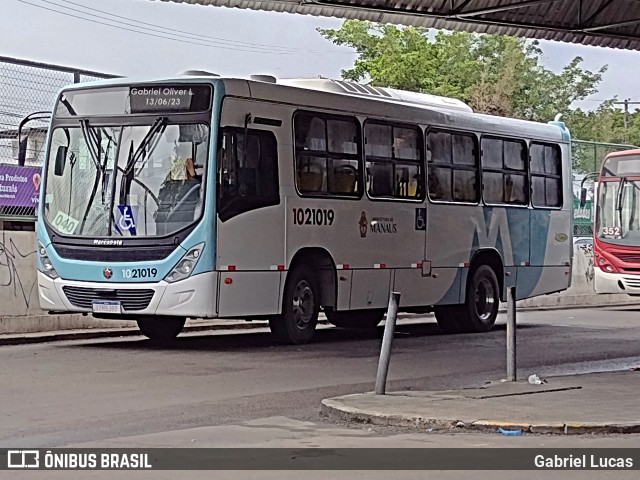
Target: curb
532,308
332,408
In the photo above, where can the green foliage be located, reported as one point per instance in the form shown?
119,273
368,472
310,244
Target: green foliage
494,74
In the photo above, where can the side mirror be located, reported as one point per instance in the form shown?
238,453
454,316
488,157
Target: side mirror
22,151
583,197
61,159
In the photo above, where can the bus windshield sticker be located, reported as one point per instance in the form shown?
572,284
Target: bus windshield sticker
126,218
421,218
65,223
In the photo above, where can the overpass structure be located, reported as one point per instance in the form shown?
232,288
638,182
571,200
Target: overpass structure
605,23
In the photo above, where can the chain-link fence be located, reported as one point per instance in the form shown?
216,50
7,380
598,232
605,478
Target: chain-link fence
588,156
27,88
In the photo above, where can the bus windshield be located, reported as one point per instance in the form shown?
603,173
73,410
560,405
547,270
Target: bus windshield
125,181
619,212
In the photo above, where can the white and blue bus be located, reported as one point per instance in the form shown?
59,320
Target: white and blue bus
207,197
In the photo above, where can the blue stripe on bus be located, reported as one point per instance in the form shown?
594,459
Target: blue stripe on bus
205,231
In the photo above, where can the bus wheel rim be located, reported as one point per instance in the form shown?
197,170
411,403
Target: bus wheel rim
303,304
485,299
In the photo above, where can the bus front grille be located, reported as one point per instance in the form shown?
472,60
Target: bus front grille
130,299
627,257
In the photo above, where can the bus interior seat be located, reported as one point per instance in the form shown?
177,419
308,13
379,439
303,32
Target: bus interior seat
309,181
344,179
412,190
381,184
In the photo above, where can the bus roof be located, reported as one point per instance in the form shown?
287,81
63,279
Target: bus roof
418,107
620,153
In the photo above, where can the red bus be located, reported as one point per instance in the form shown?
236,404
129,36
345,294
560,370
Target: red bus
616,243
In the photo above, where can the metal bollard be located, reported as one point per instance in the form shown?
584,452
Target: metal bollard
511,334
387,340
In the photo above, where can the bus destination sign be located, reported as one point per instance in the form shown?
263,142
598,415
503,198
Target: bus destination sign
174,98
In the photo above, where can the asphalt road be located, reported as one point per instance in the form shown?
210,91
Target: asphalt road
103,392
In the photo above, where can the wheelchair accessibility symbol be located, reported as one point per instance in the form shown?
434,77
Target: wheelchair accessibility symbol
421,219
126,221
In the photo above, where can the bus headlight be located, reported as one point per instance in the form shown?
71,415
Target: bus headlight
604,264
185,266
47,266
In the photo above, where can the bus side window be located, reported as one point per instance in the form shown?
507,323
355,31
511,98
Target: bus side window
247,172
546,176
327,154
452,166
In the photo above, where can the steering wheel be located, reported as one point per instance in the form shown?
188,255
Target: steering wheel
191,191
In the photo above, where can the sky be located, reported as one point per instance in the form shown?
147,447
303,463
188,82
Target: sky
152,38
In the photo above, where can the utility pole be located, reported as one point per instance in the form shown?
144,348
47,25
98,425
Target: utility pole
626,104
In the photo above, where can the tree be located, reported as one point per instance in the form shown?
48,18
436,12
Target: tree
604,126
494,74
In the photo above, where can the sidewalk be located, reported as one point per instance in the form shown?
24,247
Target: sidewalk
580,404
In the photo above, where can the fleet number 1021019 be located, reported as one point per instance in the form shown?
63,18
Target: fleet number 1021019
313,216
139,272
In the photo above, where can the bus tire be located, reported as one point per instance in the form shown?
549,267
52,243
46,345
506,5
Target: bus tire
483,301
356,319
161,330
450,318
300,307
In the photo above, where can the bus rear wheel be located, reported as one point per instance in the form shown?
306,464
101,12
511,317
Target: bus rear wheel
300,307
450,318
478,313
483,301
161,330
356,319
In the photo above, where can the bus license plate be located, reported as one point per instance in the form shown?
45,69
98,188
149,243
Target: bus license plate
103,306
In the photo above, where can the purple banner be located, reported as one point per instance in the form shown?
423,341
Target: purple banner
19,186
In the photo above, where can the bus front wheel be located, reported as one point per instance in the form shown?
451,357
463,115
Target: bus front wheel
161,330
300,307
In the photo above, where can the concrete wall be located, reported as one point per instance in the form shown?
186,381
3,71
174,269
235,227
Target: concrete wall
19,307
18,287
20,311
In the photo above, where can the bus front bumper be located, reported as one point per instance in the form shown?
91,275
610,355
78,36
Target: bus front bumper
616,282
193,297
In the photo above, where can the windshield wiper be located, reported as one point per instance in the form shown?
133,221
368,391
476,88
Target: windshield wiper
623,180
158,128
146,147
90,137
101,167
